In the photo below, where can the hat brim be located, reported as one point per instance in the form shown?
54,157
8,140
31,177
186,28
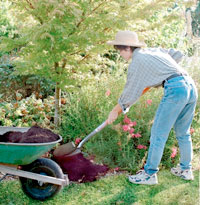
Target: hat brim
115,43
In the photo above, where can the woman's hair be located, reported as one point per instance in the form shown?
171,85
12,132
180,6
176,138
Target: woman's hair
121,47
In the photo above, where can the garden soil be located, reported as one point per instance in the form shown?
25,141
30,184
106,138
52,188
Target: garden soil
35,134
80,169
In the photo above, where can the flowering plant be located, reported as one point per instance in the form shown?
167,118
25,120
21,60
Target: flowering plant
128,127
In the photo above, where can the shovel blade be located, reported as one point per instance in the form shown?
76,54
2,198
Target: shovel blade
64,149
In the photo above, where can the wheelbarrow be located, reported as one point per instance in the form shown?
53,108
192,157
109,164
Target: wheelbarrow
40,178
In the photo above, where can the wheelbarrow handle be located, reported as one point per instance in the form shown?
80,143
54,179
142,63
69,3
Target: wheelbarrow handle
98,129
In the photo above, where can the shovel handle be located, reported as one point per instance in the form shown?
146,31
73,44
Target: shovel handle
98,129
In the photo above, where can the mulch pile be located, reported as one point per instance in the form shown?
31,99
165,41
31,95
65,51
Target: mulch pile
35,134
80,169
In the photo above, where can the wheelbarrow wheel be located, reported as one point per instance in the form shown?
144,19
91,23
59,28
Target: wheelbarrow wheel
37,189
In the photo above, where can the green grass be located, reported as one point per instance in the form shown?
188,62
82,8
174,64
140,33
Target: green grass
113,190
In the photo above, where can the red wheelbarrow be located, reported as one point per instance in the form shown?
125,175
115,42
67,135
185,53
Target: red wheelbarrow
40,178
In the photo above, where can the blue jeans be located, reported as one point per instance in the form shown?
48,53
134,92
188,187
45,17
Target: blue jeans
176,110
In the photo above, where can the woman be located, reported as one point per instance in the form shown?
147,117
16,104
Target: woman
153,67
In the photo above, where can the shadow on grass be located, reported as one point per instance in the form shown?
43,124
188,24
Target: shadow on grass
171,190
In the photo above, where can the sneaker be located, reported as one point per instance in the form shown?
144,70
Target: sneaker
143,178
186,174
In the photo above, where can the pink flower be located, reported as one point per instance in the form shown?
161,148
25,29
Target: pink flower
116,169
140,146
149,101
126,119
131,130
77,141
174,152
137,135
108,93
131,124
125,128
192,130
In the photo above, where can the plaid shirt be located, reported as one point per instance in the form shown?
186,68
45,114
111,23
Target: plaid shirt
149,68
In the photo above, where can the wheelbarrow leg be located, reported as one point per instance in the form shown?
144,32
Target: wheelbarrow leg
4,176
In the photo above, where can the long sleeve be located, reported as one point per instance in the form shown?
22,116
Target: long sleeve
176,55
132,91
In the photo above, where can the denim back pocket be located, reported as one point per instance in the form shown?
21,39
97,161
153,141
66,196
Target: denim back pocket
176,92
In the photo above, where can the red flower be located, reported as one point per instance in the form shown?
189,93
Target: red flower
131,124
77,141
108,93
125,128
131,130
174,152
140,146
192,130
149,101
138,135
126,119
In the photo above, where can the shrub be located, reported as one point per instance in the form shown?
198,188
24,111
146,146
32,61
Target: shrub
11,84
27,112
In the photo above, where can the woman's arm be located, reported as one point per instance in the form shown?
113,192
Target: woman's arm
118,110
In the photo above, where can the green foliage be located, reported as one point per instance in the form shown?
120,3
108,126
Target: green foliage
27,112
59,35
196,20
11,84
162,26
60,39
6,28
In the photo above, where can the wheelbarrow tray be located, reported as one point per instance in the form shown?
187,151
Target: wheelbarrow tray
22,153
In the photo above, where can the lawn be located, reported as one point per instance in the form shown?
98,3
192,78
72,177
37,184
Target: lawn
114,189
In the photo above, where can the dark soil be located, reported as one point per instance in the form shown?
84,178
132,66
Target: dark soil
35,134
79,168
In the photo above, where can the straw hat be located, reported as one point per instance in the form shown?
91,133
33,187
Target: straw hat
126,38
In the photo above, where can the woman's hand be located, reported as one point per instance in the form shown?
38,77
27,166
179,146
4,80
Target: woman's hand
112,117
114,114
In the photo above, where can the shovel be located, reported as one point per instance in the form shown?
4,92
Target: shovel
70,149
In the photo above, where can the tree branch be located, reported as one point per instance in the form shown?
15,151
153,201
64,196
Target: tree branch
83,19
32,7
30,4
56,65
86,56
64,62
